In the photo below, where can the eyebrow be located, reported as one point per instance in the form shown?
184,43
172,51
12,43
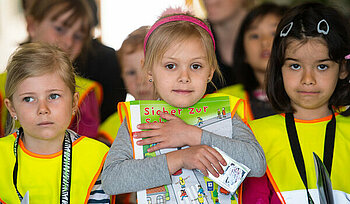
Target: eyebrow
173,58
32,93
321,60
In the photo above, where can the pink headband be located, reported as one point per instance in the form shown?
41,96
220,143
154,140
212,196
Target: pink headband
177,18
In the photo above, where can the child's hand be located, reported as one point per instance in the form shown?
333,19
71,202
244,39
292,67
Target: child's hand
200,157
173,133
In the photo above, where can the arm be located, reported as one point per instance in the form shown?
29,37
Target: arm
242,147
97,195
123,174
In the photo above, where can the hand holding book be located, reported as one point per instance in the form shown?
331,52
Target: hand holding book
170,134
201,157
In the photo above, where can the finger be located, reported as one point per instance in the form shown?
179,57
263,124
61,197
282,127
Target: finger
145,134
217,155
149,126
160,145
167,116
203,169
148,141
208,165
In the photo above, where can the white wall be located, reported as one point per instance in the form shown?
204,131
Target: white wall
12,29
121,17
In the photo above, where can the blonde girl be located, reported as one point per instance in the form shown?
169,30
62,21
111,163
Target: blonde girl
44,159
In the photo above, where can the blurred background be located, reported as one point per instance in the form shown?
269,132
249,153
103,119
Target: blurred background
117,19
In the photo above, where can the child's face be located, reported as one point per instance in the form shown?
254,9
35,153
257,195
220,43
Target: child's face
181,76
310,76
69,39
258,41
221,10
44,107
134,79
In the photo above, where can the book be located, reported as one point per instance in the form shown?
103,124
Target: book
324,184
190,186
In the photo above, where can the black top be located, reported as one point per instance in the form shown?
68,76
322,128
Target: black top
101,65
260,108
226,70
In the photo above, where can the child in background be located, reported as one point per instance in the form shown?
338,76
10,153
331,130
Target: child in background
130,56
252,52
43,157
308,82
66,24
180,60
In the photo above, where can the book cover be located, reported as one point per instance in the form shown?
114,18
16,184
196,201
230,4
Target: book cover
189,186
324,184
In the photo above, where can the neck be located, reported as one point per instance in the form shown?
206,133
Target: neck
226,33
312,114
260,76
41,146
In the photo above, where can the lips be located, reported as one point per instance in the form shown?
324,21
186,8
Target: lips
265,54
45,123
309,92
180,91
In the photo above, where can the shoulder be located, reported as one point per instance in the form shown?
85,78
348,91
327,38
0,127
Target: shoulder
267,123
86,144
7,139
235,90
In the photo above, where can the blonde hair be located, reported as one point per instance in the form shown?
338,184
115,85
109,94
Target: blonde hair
132,43
37,59
178,31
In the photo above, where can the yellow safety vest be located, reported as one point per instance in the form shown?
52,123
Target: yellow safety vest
282,172
237,105
109,128
237,90
84,86
41,174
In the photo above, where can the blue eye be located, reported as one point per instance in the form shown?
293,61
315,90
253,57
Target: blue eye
28,99
130,73
170,66
295,66
322,67
195,66
54,96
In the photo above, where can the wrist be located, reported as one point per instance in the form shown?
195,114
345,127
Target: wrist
195,135
174,161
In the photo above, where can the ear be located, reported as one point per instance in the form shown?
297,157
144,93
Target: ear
75,102
31,26
10,107
343,73
211,74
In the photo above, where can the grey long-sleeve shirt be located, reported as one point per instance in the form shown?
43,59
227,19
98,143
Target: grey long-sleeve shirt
123,174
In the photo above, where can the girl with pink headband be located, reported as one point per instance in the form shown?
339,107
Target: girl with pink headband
180,61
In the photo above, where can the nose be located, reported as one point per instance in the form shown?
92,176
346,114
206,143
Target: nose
67,42
43,108
308,77
184,76
267,42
